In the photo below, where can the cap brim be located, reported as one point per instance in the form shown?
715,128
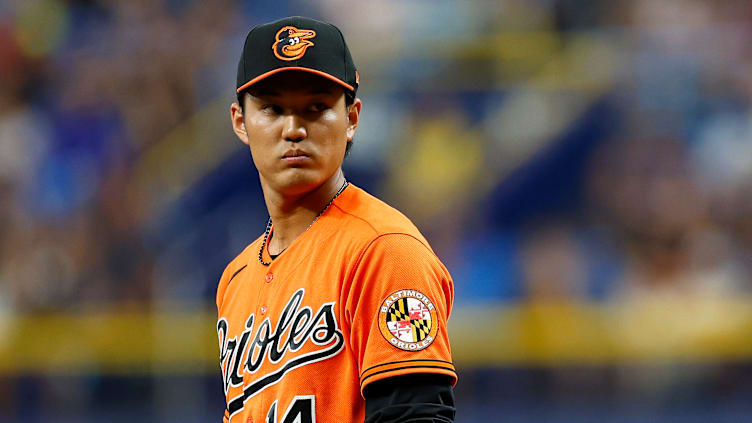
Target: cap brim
296,68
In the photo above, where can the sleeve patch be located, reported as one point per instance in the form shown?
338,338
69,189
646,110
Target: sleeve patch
408,320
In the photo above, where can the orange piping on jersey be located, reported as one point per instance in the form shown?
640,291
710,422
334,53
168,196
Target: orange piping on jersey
297,68
406,361
406,364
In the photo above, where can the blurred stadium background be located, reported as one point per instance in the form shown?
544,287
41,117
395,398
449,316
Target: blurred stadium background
583,168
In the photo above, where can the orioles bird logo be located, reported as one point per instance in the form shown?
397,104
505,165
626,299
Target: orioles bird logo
292,42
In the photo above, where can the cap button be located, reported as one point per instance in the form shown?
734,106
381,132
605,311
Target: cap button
263,309
269,277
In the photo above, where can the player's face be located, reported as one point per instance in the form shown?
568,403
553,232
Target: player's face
297,127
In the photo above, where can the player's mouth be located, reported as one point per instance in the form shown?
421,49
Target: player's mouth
295,156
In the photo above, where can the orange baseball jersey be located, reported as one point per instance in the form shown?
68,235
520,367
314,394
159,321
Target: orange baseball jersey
359,296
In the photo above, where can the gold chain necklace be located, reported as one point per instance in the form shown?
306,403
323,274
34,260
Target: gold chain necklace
269,224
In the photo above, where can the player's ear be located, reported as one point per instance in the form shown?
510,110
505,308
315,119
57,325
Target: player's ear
353,116
238,124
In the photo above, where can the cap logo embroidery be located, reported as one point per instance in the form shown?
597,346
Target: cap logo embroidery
408,320
291,43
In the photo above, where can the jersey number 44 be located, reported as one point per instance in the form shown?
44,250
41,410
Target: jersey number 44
302,409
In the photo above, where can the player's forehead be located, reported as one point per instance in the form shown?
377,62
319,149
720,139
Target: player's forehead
294,83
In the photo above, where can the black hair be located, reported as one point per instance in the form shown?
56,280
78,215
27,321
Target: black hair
349,100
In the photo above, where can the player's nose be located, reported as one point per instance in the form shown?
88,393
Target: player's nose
293,129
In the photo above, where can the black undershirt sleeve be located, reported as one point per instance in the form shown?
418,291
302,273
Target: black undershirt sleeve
414,398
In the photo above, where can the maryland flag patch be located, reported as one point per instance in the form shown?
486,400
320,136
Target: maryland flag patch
408,320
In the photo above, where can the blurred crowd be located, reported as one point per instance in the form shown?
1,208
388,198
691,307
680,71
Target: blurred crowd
87,87
463,108
663,203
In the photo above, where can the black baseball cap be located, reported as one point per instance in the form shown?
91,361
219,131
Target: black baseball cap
300,44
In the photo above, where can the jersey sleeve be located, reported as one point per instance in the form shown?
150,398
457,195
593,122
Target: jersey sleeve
397,308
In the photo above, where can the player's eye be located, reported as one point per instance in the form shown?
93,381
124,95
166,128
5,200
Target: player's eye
318,107
272,109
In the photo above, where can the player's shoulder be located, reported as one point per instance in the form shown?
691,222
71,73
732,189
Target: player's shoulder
366,218
233,268
241,259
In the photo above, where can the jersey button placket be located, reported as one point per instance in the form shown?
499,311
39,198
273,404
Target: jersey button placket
268,279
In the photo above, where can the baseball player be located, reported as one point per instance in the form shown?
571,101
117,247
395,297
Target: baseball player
338,312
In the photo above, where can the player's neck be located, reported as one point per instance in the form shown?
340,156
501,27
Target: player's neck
292,215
